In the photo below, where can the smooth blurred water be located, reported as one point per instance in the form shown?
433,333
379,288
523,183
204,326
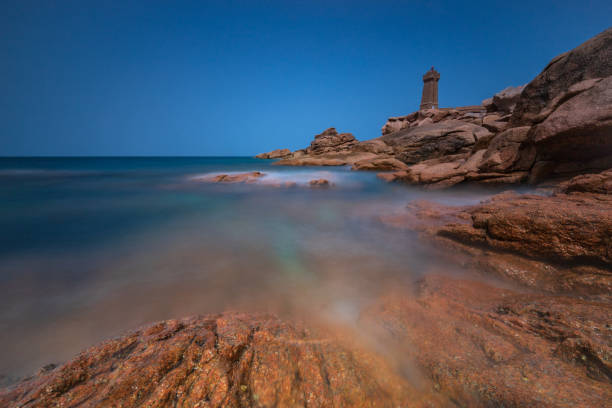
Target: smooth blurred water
91,247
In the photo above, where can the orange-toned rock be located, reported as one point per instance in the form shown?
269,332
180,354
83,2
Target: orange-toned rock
227,360
492,347
600,183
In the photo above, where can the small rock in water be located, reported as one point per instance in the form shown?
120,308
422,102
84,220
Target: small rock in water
320,183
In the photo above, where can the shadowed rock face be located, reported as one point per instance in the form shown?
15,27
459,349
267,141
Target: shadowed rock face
218,361
433,140
584,121
587,61
589,183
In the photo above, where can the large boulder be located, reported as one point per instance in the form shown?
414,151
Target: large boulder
579,128
590,60
448,137
505,100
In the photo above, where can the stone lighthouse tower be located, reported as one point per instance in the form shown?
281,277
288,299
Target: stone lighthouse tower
430,90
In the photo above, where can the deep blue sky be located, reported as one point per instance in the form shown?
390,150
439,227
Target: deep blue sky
242,77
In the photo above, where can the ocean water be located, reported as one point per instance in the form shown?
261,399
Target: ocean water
93,247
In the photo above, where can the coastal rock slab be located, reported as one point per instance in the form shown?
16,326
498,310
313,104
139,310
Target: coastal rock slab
219,361
562,228
600,183
492,347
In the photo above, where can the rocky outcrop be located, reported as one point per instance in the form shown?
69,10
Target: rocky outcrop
274,154
600,183
470,114
331,148
522,134
488,346
585,120
330,141
556,127
568,229
219,361
558,243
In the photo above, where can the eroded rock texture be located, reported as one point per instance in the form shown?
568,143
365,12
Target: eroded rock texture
227,360
540,338
492,347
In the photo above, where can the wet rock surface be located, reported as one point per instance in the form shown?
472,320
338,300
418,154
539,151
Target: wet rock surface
536,332
218,361
487,346
250,177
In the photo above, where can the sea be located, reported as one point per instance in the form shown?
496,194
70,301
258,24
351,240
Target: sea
92,247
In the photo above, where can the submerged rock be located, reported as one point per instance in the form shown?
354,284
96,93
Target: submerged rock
250,177
320,183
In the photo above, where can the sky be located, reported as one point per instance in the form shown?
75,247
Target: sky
232,78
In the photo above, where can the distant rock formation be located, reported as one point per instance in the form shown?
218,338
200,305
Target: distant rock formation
557,126
274,154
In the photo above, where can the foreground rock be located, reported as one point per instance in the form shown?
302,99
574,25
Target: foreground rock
492,347
219,361
549,345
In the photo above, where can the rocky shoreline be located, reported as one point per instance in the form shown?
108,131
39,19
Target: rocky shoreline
537,334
